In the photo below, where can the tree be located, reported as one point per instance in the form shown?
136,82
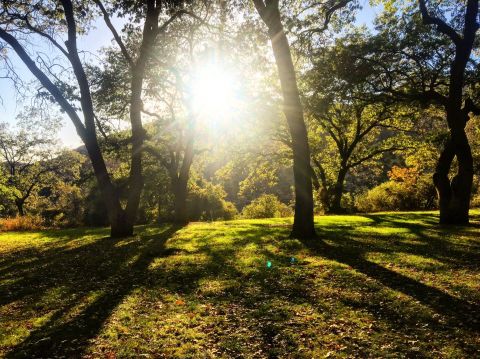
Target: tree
454,195
436,68
307,19
348,118
28,153
47,21
303,226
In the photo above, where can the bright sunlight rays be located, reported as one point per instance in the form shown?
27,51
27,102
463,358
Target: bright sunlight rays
214,93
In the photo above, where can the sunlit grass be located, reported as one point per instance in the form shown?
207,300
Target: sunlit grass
381,285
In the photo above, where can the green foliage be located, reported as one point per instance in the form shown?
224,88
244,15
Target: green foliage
266,206
7,198
68,207
206,201
406,190
352,127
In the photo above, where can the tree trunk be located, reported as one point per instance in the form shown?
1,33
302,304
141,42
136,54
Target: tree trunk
180,180
454,195
118,224
180,203
120,227
19,203
336,205
303,223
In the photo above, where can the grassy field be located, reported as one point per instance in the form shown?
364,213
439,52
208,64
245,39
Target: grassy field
380,285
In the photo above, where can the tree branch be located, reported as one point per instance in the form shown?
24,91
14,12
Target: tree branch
373,154
442,26
41,33
45,81
115,34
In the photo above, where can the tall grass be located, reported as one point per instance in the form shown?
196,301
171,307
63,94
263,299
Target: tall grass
21,223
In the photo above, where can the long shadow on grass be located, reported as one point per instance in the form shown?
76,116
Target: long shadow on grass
91,280
348,249
257,298
412,233
265,296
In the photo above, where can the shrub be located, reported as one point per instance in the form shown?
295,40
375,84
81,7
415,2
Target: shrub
388,196
21,223
406,190
475,202
266,206
206,202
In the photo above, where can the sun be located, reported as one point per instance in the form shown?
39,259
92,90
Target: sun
214,94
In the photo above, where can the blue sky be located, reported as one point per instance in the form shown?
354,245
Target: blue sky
98,37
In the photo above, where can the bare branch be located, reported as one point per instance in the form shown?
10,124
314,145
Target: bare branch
43,34
176,15
115,34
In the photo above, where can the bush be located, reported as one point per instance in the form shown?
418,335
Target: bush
206,202
21,223
266,206
388,196
406,190
475,202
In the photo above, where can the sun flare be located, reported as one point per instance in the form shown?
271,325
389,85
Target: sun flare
214,94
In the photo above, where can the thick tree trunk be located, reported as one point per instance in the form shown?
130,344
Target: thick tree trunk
454,195
120,227
303,224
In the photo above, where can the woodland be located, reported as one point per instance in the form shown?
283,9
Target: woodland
257,178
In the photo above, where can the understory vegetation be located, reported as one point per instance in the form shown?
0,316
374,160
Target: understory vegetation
376,285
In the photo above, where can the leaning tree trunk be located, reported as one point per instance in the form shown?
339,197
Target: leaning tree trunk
121,220
303,224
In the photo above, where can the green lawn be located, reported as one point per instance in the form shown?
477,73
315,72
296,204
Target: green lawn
380,285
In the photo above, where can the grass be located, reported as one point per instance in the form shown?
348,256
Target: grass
380,285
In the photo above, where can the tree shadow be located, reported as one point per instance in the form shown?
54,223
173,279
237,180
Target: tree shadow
345,246
93,279
460,312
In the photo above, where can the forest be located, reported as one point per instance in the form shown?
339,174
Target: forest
239,179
